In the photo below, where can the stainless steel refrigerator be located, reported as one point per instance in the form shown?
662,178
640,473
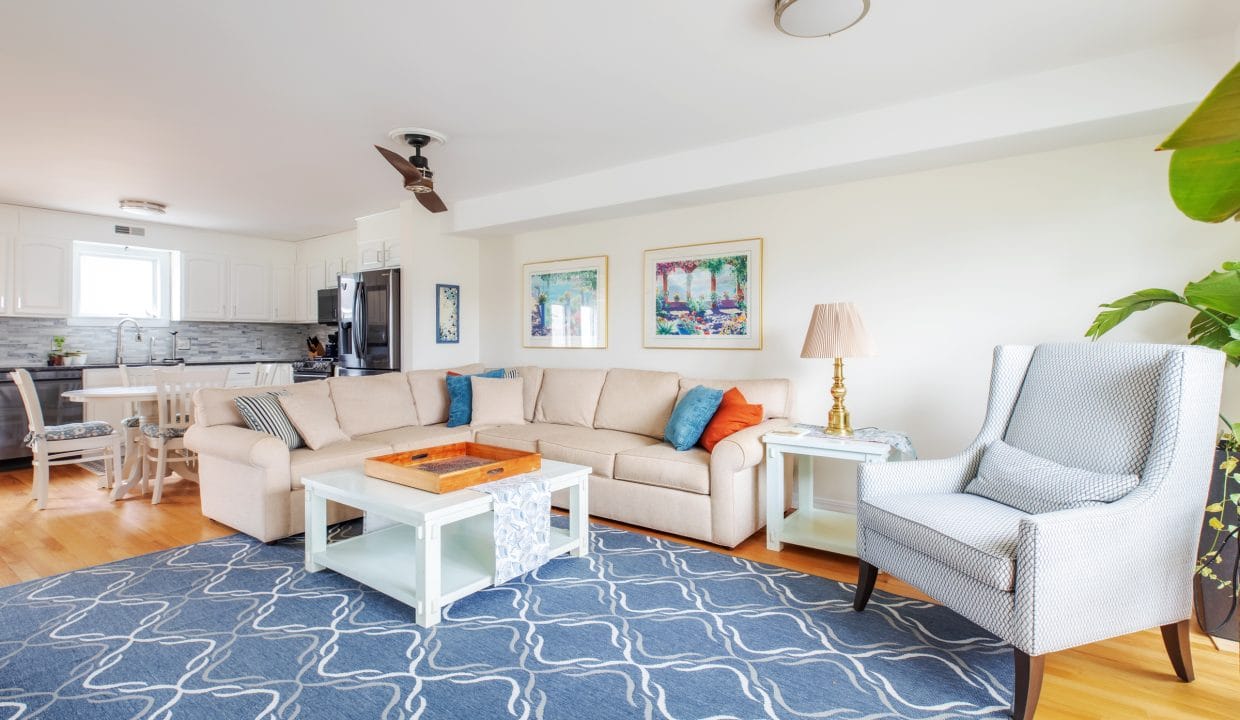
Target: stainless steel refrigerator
369,322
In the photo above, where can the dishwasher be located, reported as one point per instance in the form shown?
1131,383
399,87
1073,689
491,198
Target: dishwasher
49,383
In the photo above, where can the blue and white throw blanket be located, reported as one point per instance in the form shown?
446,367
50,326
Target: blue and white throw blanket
522,524
898,441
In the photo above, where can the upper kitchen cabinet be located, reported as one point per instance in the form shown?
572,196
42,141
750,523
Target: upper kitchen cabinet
378,240
311,281
42,276
284,295
204,287
6,273
251,290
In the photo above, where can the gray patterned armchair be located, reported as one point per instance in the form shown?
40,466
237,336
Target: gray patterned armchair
1078,418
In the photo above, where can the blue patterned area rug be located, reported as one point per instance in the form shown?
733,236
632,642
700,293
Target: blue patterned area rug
643,628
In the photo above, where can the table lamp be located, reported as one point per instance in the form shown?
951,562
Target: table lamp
836,331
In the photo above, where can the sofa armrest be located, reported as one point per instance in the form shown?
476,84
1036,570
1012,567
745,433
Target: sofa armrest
918,477
743,449
238,444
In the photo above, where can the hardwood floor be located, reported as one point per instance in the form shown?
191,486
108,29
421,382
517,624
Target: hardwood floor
1128,677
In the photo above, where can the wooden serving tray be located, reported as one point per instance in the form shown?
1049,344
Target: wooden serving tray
447,468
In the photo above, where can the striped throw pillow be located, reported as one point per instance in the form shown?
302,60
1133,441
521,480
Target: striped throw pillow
264,414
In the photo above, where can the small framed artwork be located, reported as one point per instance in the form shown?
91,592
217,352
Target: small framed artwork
447,313
705,297
565,303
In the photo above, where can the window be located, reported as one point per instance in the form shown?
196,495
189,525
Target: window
117,281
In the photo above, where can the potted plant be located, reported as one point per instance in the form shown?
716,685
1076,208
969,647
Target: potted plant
57,354
1205,184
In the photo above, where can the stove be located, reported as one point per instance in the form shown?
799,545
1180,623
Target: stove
307,370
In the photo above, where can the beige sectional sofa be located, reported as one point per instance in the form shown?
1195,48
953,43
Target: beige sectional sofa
609,420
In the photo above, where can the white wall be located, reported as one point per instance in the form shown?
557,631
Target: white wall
97,228
944,264
342,244
429,256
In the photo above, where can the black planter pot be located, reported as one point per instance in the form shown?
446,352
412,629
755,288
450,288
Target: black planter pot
1217,609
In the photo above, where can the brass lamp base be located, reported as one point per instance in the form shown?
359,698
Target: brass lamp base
838,422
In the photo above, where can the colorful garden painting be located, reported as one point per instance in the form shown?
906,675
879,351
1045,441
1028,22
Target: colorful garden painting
566,303
704,296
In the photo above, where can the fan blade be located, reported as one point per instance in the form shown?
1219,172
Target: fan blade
407,170
431,202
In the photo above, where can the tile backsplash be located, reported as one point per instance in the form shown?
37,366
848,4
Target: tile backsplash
26,341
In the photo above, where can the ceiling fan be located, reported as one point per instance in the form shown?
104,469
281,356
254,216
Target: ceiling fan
416,171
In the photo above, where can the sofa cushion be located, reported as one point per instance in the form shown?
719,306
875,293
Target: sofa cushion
1036,485
339,456
314,416
968,533
734,414
693,412
217,406
413,437
585,446
531,379
664,466
372,403
569,397
264,414
497,401
637,401
516,437
430,392
774,395
461,392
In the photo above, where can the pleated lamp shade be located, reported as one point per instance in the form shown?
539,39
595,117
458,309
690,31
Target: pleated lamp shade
836,331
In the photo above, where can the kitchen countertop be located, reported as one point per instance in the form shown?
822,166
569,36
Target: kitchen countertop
104,366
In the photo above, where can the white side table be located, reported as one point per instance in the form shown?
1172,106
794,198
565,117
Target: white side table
809,526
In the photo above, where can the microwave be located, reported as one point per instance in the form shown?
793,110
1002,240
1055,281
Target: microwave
329,306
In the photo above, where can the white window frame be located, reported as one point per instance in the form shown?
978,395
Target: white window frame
163,260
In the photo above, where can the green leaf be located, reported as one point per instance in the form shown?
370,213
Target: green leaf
1215,523
1214,507
1219,291
1216,120
1120,310
1235,499
1206,330
1205,181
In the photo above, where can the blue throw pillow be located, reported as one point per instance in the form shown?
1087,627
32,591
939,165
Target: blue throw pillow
691,416
461,396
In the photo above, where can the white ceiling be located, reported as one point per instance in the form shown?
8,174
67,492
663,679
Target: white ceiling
258,117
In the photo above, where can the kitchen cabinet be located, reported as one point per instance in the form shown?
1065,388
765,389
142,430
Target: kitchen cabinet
336,266
6,267
251,291
313,279
370,255
283,294
42,276
391,253
204,287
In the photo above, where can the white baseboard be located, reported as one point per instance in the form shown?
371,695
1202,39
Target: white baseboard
843,506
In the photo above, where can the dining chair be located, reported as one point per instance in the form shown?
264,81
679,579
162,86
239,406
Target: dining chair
68,444
163,440
266,374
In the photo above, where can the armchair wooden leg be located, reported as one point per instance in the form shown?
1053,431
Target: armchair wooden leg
1029,670
1175,637
867,574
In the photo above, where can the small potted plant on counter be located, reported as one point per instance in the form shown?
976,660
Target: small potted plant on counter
57,354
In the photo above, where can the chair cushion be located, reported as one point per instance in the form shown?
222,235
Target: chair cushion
691,416
734,414
77,431
664,466
1036,485
461,394
152,430
413,437
132,421
371,403
497,401
968,533
586,446
637,401
264,414
517,437
569,397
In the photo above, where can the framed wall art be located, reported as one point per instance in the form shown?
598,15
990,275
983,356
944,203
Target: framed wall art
564,303
705,296
447,313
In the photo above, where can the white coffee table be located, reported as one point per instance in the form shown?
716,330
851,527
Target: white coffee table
439,548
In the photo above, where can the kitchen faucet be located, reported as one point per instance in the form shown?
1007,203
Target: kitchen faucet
120,338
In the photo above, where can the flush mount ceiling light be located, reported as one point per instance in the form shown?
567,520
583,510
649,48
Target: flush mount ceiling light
818,18
143,207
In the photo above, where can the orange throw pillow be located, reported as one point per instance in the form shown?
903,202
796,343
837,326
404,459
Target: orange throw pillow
734,414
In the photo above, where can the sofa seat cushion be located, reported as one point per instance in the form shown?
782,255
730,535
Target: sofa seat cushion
516,437
337,456
968,533
413,437
664,466
596,448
